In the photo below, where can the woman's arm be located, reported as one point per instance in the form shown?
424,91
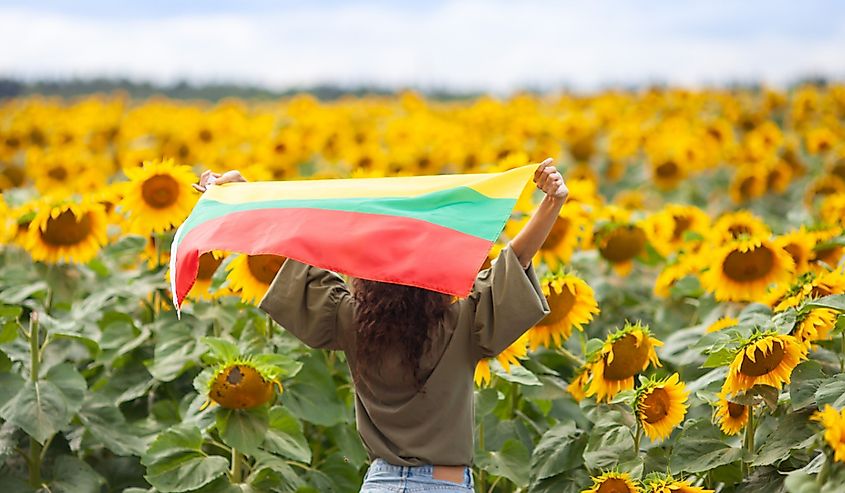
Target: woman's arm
529,240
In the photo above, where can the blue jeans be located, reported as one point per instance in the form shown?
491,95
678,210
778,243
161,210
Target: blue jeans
383,477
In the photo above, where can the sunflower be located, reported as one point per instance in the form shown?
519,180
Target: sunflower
822,187
722,323
748,183
572,304
807,286
686,223
686,264
625,353
67,231
158,197
578,384
766,358
8,225
510,356
743,269
667,484
815,325
208,264
799,245
620,244
834,429
566,235
252,275
833,208
731,416
613,482
734,225
661,406
826,255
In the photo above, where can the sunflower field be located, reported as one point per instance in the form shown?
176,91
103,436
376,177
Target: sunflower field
696,278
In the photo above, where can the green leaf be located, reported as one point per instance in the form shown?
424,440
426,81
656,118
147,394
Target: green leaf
71,475
570,482
70,383
8,331
834,302
5,362
517,374
290,480
125,383
285,437
807,377
792,433
175,461
722,357
221,349
10,384
347,439
832,392
243,429
701,447
286,366
560,449
175,351
611,446
38,408
511,462
312,396
104,421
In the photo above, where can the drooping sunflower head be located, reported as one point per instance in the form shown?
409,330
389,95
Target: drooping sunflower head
661,406
730,416
667,484
613,482
814,325
834,429
743,269
507,358
572,303
66,232
252,275
765,358
158,196
624,353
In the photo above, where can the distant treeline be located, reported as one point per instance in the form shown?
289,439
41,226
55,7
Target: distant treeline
10,88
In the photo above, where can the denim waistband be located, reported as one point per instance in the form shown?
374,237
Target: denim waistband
425,470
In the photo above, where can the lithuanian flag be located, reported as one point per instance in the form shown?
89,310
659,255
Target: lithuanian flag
433,232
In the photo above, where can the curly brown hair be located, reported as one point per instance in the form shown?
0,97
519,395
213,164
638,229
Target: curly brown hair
395,317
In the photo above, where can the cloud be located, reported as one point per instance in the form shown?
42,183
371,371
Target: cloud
491,45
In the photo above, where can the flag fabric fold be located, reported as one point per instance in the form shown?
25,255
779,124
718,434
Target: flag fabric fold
433,232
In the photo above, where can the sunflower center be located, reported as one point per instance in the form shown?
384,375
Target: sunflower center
613,485
58,173
763,362
264,267
160,191
668,169
623,244
65,229
560,303
749,266
557,234
682,223
735,410
628,358
208,265
656,405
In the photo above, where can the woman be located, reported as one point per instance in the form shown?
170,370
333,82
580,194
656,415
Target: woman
412,352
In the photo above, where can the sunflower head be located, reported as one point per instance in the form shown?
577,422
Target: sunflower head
158,196
735,225
664,483
238,381
624,353
743,269
661,405
765,358
613,482
722,323
66,232
731,416
572,304
833,422
620,243
507,358
251,275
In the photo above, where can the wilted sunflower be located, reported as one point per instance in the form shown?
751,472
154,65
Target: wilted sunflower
625,353
661,406
722,323
743,269
242,384
731,416
613,482
572,304
766,358
158,197
834,429
66,232
510,356
252,275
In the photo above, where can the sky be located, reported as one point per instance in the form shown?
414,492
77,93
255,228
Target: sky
475,45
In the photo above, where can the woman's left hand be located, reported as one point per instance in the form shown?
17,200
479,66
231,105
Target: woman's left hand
550,181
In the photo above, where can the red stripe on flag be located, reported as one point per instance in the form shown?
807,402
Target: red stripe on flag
369,246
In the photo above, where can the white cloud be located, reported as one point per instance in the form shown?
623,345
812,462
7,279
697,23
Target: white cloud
473,44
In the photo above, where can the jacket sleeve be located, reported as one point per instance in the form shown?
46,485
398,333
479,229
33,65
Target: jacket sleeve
305,300
506,300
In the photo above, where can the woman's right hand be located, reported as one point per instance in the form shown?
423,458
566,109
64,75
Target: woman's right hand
209,178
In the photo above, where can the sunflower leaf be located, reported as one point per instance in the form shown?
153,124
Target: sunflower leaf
832,392
701,447
560,449
221,349
175,461
510,461
243,429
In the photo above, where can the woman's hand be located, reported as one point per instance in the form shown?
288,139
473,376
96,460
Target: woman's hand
550,181
208,178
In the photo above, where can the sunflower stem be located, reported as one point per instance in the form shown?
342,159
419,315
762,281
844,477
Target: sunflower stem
821,479
237,466
637,437
35,448
578,362
749,438
842,353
